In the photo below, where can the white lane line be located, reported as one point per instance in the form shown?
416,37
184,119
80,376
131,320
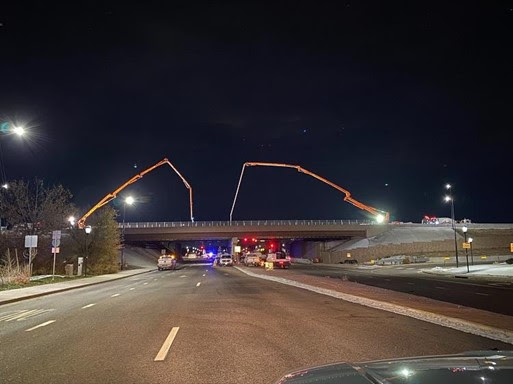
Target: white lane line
131,289
167,344
40,325
440,287
204,275
197,285
206,270
482,294
183,276
19,315
115,295
145,283
155,279
88,306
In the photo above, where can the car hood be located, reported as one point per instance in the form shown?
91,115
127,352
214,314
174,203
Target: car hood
484,367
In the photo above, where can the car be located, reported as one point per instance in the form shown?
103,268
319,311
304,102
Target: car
349,261
252,259
166,262
278,260
226,260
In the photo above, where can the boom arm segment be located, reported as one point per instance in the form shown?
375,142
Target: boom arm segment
374,211
113,195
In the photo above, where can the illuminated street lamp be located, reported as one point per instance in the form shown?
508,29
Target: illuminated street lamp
88,230
450,199
471,240
71,221
18,130
5,186
465,229
129,200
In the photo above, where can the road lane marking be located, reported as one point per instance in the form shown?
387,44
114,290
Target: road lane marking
155,279
167,344
40,325
88,306
20,315
204,275
23,314
145,283
131,289
115,295
197,285
183,276
482,294
440,287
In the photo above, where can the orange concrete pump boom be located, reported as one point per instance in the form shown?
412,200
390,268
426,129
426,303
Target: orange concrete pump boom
113,195
381,216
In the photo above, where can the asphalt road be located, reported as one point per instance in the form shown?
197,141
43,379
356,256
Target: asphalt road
232,329
480,293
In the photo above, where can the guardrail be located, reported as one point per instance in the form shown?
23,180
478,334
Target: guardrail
249,223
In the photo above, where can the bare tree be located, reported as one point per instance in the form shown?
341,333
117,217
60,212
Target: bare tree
35,208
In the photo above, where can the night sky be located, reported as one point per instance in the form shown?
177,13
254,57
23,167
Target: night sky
389,101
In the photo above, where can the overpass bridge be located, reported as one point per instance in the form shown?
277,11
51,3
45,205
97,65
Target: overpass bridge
225,230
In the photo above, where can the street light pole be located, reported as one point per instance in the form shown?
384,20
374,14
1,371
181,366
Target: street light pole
88,230
128,200
471,240
466,249
451,199
123,237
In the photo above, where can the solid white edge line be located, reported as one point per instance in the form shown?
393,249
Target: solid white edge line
88,306
115,295
167,344
461,325
40,325
197,285
131,289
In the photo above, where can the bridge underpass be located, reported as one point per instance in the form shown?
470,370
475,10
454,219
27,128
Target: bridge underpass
302,238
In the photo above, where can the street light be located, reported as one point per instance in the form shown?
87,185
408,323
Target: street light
88,230
5,186
450,199
71,220
471,240
465,229
129,200
18,130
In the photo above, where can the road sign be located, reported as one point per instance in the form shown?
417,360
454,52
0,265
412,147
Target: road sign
56,242
56,250
31,241
56,235
466,245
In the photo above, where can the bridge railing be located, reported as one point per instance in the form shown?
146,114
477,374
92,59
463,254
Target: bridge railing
249,223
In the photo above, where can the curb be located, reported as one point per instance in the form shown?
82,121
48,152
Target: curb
503,335
32,296
495,278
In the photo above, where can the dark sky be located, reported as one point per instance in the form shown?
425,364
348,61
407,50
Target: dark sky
389,100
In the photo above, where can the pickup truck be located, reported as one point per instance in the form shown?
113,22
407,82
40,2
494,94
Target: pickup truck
279,260
166,262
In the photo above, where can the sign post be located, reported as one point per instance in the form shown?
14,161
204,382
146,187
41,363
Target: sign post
56,241
30,242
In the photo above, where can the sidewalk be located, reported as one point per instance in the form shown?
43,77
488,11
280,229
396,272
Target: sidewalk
470,320
19,294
